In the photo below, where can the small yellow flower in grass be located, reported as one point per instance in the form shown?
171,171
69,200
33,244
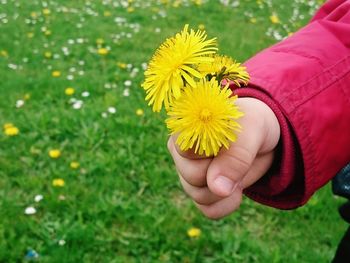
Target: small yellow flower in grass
54,153
201,27
174,65
274,19
204,117
26,96
224,67
47,54
56,73
74,165
130,9
107,13
139,112
194,232
30,35
4,53
34,15
69,91
13,131
10,129
58,182
46,11
102,51
177,3
47,32
122,65
253,20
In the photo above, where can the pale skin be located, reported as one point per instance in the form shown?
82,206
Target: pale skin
215,184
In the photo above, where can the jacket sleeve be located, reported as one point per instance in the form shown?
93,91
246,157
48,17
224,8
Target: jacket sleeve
305,79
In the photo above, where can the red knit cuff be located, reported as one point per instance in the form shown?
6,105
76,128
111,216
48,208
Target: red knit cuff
283,185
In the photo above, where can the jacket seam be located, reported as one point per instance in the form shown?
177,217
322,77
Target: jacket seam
322,88
298,53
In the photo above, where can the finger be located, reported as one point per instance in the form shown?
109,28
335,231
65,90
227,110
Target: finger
192,171
201,195
260,166
223,207
229,167
189,154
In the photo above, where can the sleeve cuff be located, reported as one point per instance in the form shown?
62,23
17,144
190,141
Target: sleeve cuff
283,186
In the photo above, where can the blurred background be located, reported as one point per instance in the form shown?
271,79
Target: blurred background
85,175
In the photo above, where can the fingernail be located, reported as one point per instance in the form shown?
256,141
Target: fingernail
225,184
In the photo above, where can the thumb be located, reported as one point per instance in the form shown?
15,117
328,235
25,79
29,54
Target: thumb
227,170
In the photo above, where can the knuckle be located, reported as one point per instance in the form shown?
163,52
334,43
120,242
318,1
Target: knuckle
197,196
201,196
210,212
241,158
196,179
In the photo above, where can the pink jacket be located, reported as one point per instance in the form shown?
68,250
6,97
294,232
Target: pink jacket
305,79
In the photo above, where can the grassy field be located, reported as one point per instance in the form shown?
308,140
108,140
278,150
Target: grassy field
110,193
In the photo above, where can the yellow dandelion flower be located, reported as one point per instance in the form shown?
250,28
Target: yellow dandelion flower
46,11
224,67
4,53
139,112
30,34
54,153
107,13
194,232
47,54
47,32
130,9
11,130
122,65
177,3
27,96
204,117
274,19
58,182
201,27
174,63
253,20
69,91
102,51
74,165
56,73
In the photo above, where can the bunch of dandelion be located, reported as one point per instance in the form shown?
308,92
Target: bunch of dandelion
186,76
173,66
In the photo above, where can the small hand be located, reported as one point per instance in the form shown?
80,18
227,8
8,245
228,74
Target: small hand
215,184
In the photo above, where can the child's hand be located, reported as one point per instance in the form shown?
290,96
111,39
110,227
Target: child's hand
216,184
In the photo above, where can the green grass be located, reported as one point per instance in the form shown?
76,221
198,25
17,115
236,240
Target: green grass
124,203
